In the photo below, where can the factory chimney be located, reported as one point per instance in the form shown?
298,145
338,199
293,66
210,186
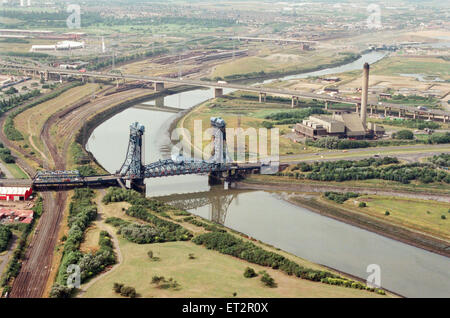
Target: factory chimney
365,92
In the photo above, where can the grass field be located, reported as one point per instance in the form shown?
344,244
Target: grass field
209,274
421,215
403,65
276,60
16,171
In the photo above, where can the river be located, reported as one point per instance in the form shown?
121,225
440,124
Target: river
405,269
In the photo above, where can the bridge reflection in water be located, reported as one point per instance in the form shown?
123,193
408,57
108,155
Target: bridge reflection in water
217,199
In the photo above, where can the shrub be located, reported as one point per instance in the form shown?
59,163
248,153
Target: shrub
60,291
387,213
268,281
403,134
362,204
250,273
128,291
443,217
5,236
117,287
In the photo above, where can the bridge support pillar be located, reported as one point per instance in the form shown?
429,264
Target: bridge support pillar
371,110
136,184
326,105
357,108
294,101
262,96
415,115
218,92
445,119
159,86
215,178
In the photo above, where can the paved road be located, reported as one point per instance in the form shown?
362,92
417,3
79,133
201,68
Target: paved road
408,153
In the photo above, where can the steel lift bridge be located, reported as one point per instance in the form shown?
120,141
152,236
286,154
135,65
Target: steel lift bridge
134,170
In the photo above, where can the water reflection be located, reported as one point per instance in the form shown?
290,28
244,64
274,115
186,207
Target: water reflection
216,200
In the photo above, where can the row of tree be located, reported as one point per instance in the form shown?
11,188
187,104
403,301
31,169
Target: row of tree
360,170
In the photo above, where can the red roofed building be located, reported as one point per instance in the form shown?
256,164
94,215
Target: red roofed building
15,193
13,215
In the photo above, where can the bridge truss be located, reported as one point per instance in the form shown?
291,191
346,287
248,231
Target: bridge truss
133,167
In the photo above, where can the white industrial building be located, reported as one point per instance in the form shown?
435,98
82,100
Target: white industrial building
62,45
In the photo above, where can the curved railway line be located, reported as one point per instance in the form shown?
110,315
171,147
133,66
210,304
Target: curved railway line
37,263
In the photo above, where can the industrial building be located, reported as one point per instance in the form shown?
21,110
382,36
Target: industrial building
15,193
14,215
63,45
342,124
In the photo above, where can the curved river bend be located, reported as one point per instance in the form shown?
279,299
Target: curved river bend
405,269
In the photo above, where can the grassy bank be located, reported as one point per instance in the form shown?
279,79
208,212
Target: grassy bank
190,266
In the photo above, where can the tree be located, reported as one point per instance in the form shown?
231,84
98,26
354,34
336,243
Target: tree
403,134
268,281
60,291
250,273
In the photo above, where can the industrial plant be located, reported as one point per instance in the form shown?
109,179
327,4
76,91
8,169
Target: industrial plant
342,124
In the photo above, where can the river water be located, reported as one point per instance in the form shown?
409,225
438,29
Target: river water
405,269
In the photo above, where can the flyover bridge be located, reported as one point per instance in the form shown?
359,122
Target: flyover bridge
159,82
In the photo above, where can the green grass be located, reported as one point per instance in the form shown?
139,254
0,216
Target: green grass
210,274
16,171
417,214
402,65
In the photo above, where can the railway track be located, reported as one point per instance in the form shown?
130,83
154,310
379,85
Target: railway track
37,264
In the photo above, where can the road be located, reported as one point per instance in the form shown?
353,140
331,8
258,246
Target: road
407,153
263,90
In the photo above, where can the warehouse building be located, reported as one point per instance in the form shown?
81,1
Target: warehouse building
343,124
13,215
340,124
15,193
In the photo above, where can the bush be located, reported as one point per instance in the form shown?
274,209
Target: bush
443,217
5,236
340,197
387,213
362,204
403,134
60,291
128,291
250,273
268,281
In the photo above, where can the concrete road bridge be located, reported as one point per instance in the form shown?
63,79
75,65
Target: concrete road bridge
160,82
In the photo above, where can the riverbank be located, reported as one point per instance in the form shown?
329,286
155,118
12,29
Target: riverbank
391,231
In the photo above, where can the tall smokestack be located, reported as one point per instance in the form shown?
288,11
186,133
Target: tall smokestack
365,92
